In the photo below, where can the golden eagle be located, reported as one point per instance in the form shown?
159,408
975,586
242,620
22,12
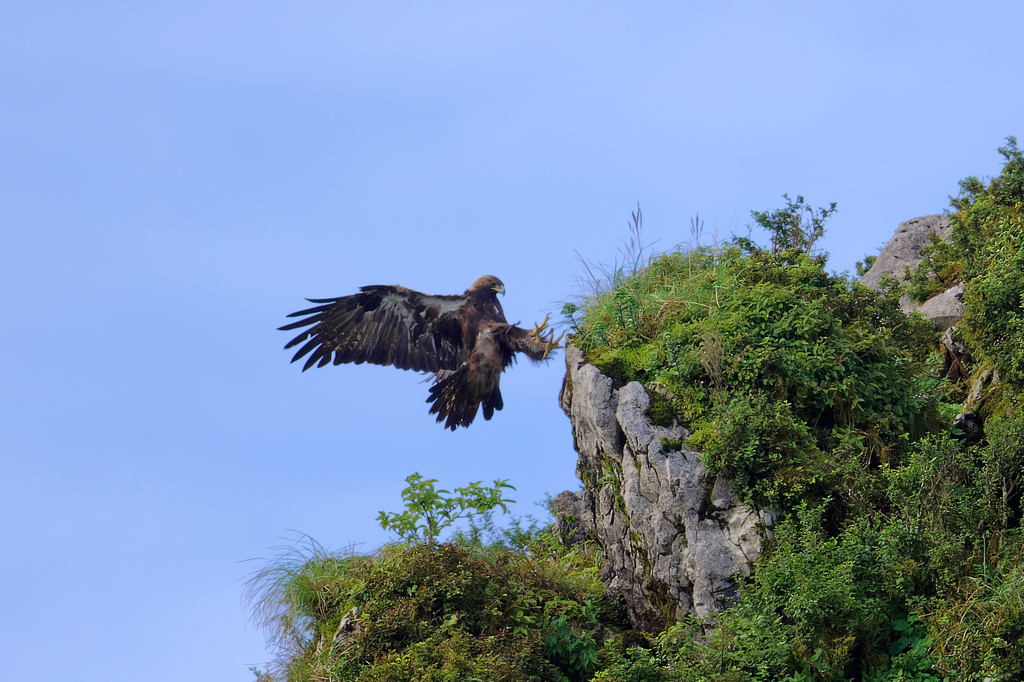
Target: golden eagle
465,341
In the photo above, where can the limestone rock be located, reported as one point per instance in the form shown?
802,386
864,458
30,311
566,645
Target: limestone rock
903,250
944,309
574,517
902,254
673,538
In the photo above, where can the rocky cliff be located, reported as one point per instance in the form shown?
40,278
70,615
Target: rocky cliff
674,539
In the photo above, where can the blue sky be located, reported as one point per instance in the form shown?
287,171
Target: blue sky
176,177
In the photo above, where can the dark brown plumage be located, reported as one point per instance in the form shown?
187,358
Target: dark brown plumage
465,341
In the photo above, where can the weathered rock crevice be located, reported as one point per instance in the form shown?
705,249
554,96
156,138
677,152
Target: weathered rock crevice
674,539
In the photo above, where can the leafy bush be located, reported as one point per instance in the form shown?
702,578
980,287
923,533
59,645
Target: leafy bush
863,266
986,254
779,368
979,632
635,664
522,607
796,227
432,612
429,511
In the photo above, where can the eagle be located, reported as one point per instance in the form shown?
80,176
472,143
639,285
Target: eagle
463,340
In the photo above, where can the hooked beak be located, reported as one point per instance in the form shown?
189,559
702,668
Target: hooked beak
500,289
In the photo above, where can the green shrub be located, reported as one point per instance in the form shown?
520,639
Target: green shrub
862,267
979,632
776,365
429,511
497,604
986,254
635,664
433,612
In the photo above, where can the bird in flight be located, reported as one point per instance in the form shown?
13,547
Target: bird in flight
463,340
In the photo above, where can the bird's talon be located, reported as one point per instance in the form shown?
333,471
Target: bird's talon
550,343
539,328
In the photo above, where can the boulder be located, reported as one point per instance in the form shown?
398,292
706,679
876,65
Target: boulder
903,250
944,309
902,254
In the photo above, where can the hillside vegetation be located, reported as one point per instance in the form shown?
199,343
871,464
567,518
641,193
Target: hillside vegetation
897,551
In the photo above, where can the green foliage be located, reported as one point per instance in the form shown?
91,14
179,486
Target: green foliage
771,454
865,265
499,604
979,633
936,272
661,411
635,664
910,653
986,254
429,511
518,535
826,588
796,227
567,644
943,512
780,369
433,612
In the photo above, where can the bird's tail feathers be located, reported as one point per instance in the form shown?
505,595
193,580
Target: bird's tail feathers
454,401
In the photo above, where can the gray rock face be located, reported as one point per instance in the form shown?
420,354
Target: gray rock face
574,517
904,249
673,538
902,254
944,309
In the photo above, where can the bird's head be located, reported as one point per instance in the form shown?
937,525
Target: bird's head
488,282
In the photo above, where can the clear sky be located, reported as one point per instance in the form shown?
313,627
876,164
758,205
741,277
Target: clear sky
176,176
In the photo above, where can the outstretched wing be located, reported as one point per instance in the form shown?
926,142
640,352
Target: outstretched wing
385,325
